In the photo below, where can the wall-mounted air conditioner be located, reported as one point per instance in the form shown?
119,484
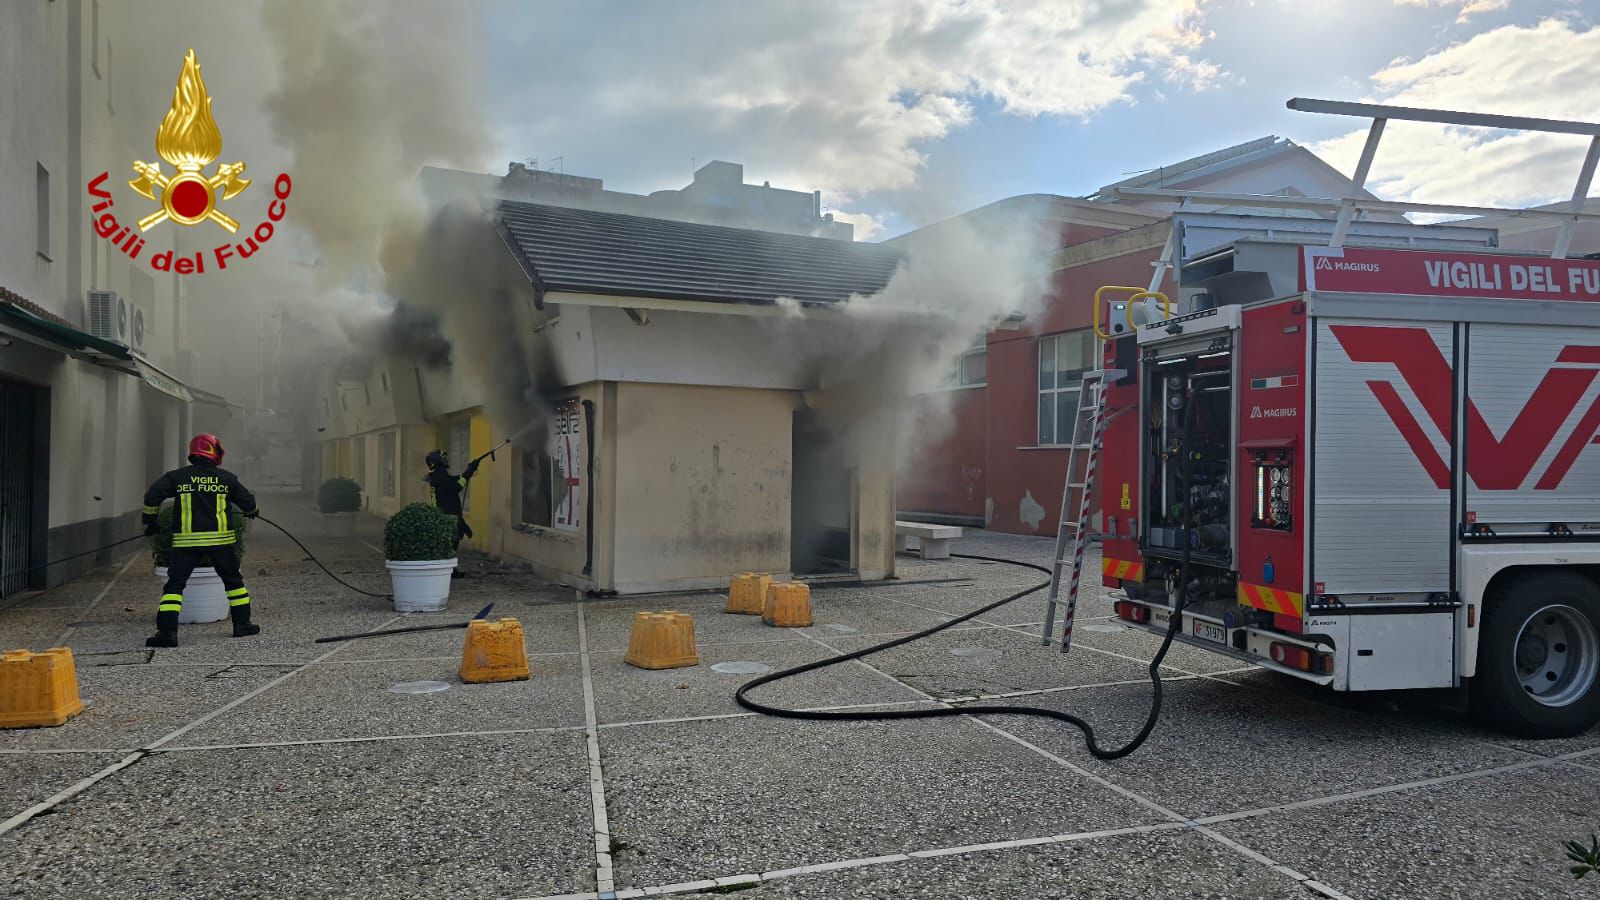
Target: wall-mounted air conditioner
109,316
113,318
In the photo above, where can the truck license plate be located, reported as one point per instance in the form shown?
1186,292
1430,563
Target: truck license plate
1210,632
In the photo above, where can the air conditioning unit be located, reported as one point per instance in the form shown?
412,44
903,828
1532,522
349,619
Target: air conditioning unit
110,317
136,333
114,319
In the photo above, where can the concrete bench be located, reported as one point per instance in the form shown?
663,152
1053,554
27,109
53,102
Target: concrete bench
932,540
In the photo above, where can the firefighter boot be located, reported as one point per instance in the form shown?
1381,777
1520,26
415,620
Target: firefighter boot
166,630
241,621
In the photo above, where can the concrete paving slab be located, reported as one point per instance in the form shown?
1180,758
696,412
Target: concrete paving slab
546,629
610,623
469,818
289,627
878,610
1499,836
33,629
1156,866
27,778
332,701
624,693
1417,710
1242,749
130,706
701,799
79,592
988,661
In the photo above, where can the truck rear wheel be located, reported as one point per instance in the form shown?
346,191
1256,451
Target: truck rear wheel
1539,655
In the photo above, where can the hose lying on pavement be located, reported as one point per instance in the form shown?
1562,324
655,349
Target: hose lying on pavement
966,709
1181,601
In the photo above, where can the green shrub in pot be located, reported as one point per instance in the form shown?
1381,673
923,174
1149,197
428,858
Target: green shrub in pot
339,495
419,532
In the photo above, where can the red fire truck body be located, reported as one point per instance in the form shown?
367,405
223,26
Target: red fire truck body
1382,467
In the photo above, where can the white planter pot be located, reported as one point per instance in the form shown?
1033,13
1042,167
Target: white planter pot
339,524
204,597
421,585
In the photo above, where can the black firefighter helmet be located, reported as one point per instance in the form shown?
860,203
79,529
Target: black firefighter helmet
437,459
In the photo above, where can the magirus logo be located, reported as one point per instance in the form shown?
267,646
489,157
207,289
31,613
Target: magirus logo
189,141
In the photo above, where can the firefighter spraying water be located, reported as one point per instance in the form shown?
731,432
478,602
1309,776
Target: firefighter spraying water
446,490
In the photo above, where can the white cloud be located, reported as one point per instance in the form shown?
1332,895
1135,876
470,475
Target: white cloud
838,95
1545,70
1468,8
868,226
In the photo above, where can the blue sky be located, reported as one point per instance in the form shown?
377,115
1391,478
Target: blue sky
901,117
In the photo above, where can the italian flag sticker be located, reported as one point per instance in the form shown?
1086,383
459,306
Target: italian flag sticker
1276,381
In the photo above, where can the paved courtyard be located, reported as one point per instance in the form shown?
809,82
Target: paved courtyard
277,767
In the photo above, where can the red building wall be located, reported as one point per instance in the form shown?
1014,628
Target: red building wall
945,470
988,463
995,430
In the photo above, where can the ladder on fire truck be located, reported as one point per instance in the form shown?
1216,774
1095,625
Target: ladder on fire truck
1077,497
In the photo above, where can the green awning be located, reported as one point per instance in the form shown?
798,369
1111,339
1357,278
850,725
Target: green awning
161,381
30,325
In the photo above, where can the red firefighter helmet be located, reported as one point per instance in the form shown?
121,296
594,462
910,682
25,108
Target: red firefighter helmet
206,446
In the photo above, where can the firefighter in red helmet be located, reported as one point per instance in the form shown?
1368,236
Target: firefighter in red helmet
206,494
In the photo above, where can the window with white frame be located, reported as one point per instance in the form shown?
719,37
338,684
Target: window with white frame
1063,358
970,369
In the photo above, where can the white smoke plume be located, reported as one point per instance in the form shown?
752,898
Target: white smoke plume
959,279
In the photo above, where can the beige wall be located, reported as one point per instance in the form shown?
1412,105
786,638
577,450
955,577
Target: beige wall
561,554
702,484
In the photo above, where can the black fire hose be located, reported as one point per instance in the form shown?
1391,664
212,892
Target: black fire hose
57,562
992,709
311,556
308,553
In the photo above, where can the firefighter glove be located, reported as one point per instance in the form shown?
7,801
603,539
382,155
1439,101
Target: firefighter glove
472,469
152,528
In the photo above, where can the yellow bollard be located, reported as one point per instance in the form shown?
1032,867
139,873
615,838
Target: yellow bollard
38,688
788,605
663,640
748,593
494,652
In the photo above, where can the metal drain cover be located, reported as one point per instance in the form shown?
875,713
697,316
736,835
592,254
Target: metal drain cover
419,687
1102,628
974,651
842,629
740,668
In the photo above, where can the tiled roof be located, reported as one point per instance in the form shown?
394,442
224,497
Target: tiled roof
589,252
15,299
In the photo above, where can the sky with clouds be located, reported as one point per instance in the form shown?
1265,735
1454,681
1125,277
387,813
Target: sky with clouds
907,111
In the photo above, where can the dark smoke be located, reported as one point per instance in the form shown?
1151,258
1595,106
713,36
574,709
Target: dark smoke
463,300
414,333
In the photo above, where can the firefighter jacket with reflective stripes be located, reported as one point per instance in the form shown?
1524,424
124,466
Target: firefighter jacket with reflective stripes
201,517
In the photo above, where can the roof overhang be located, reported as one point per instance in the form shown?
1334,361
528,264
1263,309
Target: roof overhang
152,375
19,322
834,313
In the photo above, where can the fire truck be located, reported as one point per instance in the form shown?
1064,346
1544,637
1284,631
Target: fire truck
1367,458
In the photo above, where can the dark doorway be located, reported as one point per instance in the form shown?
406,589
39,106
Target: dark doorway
22,486
822,501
